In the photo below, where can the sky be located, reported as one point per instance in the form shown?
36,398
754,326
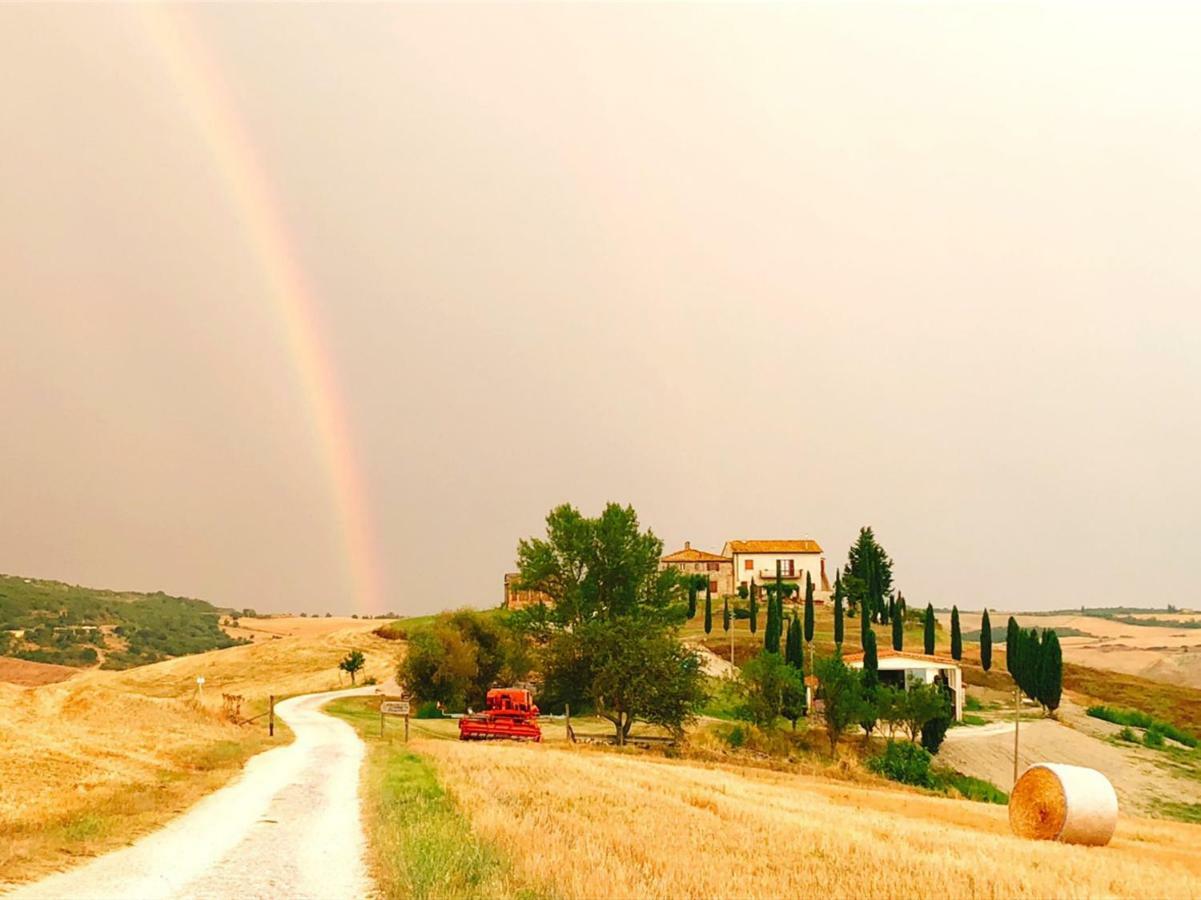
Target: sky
322,308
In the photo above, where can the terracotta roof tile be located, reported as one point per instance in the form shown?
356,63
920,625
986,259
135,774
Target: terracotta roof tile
688,554
803,545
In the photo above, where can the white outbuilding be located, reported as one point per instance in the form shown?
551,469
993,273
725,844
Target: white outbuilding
902,669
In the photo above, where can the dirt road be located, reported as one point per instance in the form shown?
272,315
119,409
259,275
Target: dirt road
288,827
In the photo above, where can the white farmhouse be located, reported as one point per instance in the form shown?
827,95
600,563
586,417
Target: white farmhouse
757,560
900,669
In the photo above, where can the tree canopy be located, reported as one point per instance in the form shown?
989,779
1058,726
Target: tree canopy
867,576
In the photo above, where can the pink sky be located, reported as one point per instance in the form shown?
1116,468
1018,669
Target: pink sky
759,271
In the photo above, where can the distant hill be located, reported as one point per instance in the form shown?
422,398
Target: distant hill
65,624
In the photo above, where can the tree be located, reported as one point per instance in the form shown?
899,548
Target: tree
922,703
742,592
1051,671
842,691
754,622
610,638
767,682
898,633
459,657
867,575
956,637
794,648
725,613
771,632
890,707
928,629
1011,647
808,609
708,610
871,662
351,663
838,624
692,591
985,642
936,727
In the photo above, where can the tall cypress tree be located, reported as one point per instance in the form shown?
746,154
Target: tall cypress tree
754,622
865,627
809,611
838,625
956,635
898,634
771,633
1051,671
725,613
792,646
871,662
1012,635
691,597
928,629
708,611
985,642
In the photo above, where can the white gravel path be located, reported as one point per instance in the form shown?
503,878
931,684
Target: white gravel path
288,827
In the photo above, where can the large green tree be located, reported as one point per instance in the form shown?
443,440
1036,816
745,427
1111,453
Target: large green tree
867,575
771,688
985,642
956,635
609,638
842,693
460,656
1050,671
928,629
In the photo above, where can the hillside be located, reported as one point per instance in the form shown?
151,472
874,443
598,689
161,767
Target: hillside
68,625
89,763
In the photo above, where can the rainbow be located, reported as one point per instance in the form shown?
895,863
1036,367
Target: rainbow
196,76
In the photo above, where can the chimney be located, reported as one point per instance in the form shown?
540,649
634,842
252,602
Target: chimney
687,545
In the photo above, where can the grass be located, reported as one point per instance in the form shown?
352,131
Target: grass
1181,812
422,846
968,787
1139,719
630,825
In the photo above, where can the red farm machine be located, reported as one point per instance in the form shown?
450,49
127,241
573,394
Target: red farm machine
509,714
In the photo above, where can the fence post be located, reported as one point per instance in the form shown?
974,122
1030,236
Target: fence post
406,728
567,717
271,717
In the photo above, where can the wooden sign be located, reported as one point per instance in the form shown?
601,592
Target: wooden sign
394,707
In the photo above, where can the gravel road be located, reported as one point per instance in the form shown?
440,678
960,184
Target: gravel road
288,827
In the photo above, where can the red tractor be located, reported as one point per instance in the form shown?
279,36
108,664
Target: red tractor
509,714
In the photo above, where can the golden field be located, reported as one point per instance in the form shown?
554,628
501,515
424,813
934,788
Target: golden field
88,764
577,823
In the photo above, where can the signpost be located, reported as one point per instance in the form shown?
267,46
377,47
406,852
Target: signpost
394,706
199,688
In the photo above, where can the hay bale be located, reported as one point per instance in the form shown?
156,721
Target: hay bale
1057,802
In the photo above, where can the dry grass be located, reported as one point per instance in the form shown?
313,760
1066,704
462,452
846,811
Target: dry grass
88,764
579,823
30,674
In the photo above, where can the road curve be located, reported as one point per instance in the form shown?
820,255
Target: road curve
289,826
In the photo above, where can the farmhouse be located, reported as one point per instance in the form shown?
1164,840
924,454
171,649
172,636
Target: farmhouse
756,560
901,669
517,598
718,569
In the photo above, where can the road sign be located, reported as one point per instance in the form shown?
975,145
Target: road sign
394,707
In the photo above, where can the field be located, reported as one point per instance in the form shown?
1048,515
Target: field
88,764
30,674
575,822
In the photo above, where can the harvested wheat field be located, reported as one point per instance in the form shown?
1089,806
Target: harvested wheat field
24,672
268,627
627,826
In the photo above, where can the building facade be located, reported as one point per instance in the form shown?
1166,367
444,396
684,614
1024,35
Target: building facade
516,598
902,670
718,569
756,560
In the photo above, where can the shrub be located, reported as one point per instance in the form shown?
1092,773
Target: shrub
428,710
972,704
1141,720
904,762
736,736
1153,737
1127,734
970,788
934,731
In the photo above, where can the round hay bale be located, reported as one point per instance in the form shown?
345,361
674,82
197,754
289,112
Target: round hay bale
1057,802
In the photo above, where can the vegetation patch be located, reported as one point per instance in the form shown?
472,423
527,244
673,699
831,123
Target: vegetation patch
422,846
1133,717
1181,812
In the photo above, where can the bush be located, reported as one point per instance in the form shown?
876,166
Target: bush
428,710
1141,720
736,736
904,762
972,704
1153,737
934,731
1127,734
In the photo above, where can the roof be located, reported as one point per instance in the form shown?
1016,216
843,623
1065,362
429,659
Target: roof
889,653
801,545
688,554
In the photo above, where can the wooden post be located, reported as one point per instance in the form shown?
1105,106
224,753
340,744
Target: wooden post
567,720
406,728
1017,718
271,716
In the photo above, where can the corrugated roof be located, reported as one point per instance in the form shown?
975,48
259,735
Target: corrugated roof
802,545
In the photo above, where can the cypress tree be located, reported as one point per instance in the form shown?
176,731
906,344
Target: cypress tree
725,614
890,609
928,631
865,627
898,634
871,662
708,611
691,597
792,646
838,626
1011,647
1051,689
956,636
771,634
754,621
809,611
985,642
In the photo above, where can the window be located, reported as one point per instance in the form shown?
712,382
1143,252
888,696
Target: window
713,585
712,567
787,567
749,565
